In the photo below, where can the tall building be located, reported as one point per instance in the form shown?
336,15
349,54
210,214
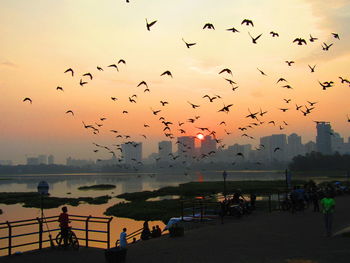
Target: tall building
78,162
208,144
337,143
5,162
51,159
165,148
274,147
323,138
186,147
245,149
32,161
310,147
42,159
295,147
132,152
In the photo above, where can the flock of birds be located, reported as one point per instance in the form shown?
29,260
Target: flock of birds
170,127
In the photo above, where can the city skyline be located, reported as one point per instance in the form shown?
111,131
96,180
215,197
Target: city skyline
290,146
41,40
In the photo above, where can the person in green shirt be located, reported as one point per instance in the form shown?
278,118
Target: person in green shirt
328,206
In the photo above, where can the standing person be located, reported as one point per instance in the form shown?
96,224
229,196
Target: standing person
64,225
328,205
122,239
146,233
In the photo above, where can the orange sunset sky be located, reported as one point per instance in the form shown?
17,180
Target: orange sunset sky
40,39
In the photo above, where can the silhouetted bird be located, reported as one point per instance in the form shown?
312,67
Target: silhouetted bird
326,47
70,111
188,45
89,75
148,25
168,73
274,34
209,26
227,70
312,39
254,39
290,63
300,41
335,35
82,83
99,68
247,22
142,83
312,68
59,88
28,99
71,71
232,29
114,66
122,61
193,105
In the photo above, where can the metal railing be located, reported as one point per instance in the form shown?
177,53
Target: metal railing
39,223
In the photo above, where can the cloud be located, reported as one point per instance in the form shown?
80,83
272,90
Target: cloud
8,64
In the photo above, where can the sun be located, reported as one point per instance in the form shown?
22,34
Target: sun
200,136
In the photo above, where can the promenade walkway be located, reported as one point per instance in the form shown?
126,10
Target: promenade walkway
279,237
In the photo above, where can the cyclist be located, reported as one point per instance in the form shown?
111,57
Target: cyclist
64,225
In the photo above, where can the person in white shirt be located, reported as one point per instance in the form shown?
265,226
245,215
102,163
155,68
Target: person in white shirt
122,239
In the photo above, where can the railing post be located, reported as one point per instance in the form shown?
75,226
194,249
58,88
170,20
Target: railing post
87,231
40,222
109,232
201,206
182,210
270,203
9,237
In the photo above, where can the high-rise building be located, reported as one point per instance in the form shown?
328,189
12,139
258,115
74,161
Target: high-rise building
274,147
208,144
32,161
132,152
186,147
337,143
42,159
310,147
165,149
295,147
245,149
5,162
51,159
323,138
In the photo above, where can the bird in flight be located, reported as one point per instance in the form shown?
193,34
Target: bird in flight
254,39
276,149
188,45
99,68
28,99
312,103
287,100
168,73
82,83
289,62
114,98
209,26
274,34
326,47
298,107
232,29
71,71
70,111
148,25
113,66
300,41
230,81
226,109
262,112
287,86
281,79
252,115
227,70
193,105
312,68
335,35
312,39
284,109
211,99
88,75
142,83
247,22
262,72
155,112
59,88
122,61
164,102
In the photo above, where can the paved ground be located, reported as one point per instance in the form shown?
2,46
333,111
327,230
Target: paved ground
258,238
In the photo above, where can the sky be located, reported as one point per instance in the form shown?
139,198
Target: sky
40,39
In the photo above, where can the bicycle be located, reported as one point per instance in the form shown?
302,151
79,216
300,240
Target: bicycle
72,240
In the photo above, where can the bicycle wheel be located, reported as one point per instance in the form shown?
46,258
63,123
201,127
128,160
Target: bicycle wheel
59,239
74,243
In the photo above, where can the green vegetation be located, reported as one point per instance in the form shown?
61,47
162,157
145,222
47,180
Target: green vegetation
97,187
142,210
193,189
33,199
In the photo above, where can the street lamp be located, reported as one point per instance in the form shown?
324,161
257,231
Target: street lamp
224,175
43,189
